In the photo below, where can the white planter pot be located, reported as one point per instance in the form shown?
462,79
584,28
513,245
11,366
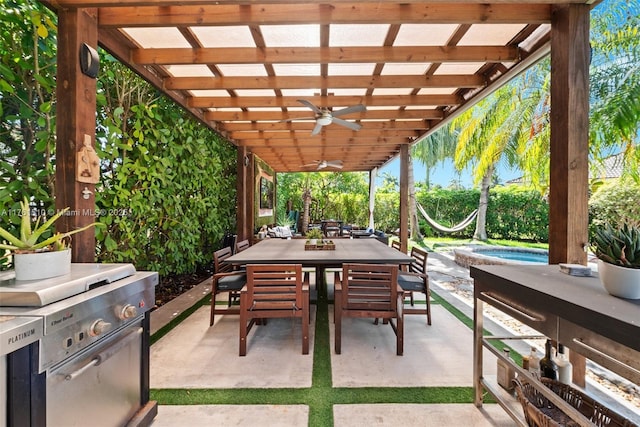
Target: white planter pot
42,265
620,281
313,241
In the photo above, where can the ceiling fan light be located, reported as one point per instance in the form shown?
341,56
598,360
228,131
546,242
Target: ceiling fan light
324,120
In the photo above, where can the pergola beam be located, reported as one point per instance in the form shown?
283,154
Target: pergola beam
324,55
248,116
322,101
164,3
335,13
335,82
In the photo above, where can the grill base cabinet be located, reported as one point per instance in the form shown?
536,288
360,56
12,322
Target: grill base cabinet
87,360
574,311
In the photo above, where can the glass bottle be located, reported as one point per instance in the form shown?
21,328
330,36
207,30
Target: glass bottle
534,362
565,368
506,373
548,368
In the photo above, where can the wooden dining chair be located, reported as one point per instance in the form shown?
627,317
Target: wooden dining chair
242,245
396,244
225,279
274,290
369,291
416,279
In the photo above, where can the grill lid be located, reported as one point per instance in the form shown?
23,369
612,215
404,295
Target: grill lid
38,293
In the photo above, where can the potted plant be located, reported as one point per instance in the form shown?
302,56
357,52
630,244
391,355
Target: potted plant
34,259
618,252
313,235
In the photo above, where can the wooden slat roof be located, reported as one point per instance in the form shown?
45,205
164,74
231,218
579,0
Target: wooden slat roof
241,66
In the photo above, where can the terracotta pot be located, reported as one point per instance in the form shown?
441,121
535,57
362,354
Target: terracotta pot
42,265
620,281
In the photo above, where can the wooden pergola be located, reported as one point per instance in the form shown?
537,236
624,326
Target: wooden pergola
242,66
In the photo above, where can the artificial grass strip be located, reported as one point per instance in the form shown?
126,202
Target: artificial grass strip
453,310
313,396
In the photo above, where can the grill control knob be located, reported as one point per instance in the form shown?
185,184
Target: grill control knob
99,327
128,311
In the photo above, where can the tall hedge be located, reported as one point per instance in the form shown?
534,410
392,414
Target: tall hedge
616,202
513,212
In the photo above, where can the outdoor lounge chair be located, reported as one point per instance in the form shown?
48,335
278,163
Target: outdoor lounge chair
274,290
225,279
369,290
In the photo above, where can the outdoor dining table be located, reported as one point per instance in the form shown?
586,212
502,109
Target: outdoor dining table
292,251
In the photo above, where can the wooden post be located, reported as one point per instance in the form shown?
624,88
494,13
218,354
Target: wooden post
245,196
76,125
404,197
568,196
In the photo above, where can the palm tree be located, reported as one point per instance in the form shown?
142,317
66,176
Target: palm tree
498,129
615,83
434,149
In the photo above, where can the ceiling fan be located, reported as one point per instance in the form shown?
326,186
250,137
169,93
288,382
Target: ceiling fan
325,116
321,164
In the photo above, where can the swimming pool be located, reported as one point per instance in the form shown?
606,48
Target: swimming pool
488,255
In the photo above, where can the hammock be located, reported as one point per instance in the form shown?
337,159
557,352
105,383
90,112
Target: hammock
459,227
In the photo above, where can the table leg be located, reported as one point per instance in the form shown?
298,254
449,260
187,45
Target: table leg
321,284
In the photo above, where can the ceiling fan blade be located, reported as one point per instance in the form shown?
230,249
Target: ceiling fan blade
353,109
295,119
310,105
350,125
335,164
316,129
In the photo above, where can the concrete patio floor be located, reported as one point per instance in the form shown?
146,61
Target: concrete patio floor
196,356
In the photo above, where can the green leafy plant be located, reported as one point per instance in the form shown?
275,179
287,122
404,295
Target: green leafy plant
619,246
29,236
314,233
283,220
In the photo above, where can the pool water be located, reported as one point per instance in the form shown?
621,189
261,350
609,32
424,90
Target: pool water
540,258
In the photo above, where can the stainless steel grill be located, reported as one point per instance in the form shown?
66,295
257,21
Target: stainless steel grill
90,351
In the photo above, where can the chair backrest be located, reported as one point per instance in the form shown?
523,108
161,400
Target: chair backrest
242,245
274,286
218,260
369,287
419,263
396,244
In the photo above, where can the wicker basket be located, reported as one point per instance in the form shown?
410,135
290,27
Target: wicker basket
540,412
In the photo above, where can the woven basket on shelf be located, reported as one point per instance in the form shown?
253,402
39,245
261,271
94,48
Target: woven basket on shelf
540,412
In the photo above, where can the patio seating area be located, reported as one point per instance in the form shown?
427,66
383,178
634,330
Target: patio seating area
198,366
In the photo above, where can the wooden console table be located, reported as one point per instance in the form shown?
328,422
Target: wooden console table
574,311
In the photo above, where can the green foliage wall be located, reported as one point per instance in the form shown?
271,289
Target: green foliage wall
27,110
168,184
168,188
